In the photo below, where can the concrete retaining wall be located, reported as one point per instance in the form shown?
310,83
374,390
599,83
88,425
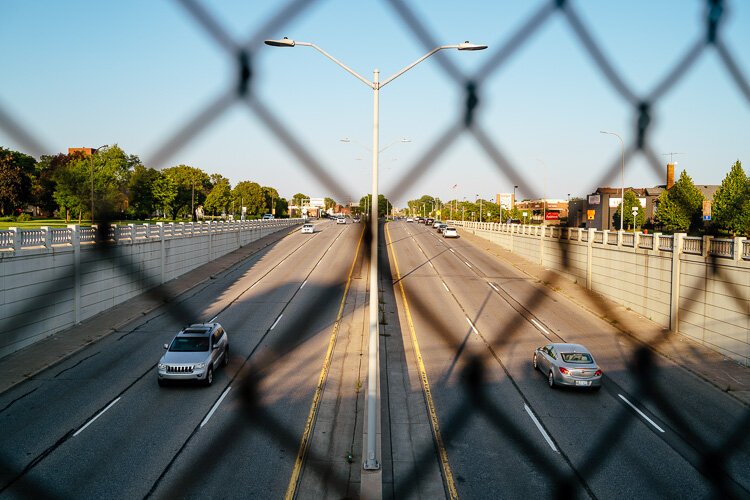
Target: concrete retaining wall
698,287
51,279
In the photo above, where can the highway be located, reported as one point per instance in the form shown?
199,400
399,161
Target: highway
477,322
463,412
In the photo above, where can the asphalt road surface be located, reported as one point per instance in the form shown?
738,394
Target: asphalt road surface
463,412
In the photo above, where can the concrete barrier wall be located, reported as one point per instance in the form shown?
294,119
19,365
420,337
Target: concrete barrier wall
698,287
51,279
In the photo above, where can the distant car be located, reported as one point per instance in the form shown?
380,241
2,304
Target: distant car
308,228
568,365
441,227
429,220
436,223
355,219
450,232
409,219
194,353
268,217
340,220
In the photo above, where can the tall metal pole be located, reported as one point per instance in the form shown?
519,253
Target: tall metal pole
371,462
622,175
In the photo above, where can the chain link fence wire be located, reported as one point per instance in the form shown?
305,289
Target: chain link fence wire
712,460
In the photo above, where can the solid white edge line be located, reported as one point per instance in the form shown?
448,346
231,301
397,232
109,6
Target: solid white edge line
216,405
541,429
472,326
275,322
97,416
213,319
303,285
445,286
641,413
539,325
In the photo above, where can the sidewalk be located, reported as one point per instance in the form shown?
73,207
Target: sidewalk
724,373
24,364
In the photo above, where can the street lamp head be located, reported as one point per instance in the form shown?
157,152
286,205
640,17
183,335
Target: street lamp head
345,139
284,42
470,46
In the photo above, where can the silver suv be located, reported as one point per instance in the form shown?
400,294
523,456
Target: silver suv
194,353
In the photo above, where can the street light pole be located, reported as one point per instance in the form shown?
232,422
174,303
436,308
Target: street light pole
371,462
622,175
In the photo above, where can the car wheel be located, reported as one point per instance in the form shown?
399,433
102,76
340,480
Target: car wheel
210,376
536,366
551,380
226,356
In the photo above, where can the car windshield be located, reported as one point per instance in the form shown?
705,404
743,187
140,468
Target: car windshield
577,357
189,344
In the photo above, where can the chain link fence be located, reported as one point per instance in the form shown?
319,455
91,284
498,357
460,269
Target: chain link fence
712,460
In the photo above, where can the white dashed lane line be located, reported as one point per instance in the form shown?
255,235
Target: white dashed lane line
541,429
216,405
276,322
445,286
303,285
539,325
472,326
468,265
110,405
641,413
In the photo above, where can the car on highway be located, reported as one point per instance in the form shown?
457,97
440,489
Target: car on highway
567,365
268,217
428,221
340,220
409,219
194,353
436,223
308,228
450,232
441,227
355,219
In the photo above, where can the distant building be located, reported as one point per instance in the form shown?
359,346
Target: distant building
85,151
598,209
556,210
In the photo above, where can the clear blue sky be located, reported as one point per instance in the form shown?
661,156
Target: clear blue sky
87,73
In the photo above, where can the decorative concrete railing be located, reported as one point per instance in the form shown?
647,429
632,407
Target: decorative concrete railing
693,245
15,239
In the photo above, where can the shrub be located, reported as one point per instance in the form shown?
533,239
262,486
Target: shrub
23,218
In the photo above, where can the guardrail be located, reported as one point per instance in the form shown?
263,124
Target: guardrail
15,239
721,247
692,245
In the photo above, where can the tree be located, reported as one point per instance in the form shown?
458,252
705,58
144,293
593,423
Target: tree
384,205
730,209
43,183
192,185
73,186
329,203
220,197
272,198
680,208
142,200
630,201
250,195
164,191
15,180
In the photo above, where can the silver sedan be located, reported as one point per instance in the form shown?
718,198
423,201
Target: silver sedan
569,365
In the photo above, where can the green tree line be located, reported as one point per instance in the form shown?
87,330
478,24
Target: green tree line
118,185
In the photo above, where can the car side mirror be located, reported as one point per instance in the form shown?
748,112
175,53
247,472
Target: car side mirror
166,346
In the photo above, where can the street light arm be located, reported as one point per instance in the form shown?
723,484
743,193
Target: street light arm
407,68
347,68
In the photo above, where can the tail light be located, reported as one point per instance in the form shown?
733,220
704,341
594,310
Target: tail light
598,373
564,371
